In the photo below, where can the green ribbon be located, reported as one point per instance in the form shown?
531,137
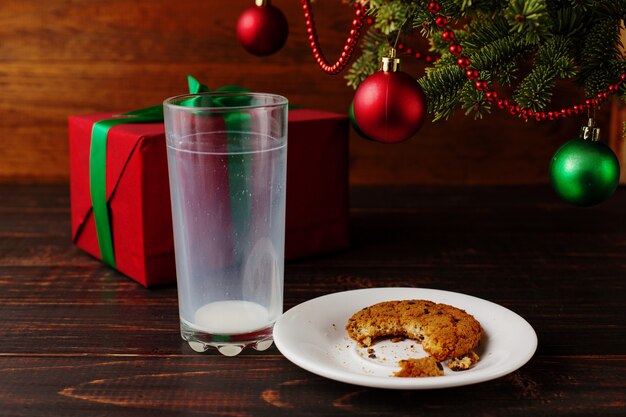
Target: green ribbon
97,172
98,154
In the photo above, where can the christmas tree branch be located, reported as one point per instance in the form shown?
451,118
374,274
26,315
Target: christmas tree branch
548,40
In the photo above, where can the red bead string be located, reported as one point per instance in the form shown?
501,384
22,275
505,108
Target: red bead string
502,103
416,54
360,17
355,33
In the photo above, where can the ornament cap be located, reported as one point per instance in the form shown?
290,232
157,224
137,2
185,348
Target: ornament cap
261,3
590,132
391,63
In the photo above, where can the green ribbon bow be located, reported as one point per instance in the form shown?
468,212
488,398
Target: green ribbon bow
98,155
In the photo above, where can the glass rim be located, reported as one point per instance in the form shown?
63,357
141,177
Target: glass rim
280,101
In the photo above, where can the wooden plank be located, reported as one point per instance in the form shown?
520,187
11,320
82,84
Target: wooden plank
72,311
263,385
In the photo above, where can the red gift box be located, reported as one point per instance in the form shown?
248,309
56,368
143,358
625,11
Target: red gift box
137,191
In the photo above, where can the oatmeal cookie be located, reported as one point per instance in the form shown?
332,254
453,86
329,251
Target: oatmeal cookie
444,331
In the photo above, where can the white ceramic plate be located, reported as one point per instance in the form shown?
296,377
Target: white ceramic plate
312,335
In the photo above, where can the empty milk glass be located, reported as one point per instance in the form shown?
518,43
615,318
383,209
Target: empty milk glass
227,155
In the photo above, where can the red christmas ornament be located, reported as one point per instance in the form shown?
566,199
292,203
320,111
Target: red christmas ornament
389,106
262,29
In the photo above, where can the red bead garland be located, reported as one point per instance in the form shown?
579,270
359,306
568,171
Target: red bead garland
491,95
456,49
463,62
472,74
434,7
416,54
447,35
360,17
351,42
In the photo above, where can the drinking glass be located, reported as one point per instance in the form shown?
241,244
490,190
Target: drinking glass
227,155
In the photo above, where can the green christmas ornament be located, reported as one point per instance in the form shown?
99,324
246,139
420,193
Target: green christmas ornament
356,127
585,171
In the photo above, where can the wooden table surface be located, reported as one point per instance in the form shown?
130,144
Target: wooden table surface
77,338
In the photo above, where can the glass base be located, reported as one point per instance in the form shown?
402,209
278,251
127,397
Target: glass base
227,345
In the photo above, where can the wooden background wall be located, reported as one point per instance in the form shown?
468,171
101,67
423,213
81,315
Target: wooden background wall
62,57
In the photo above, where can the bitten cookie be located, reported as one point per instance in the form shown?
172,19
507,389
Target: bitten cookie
444,331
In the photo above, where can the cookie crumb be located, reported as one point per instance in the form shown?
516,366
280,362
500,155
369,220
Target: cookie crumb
464,362
418,368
